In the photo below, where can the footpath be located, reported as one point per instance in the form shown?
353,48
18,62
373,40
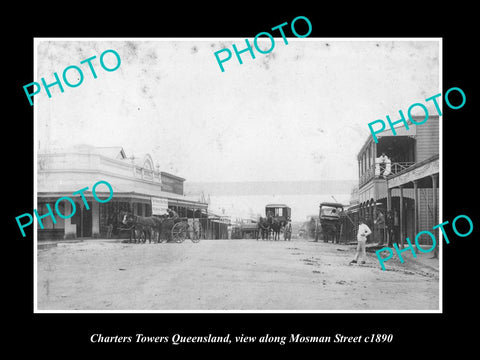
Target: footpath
422,260
46,244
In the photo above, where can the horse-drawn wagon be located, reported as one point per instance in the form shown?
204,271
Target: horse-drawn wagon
330,224
179,229
160,228
277,220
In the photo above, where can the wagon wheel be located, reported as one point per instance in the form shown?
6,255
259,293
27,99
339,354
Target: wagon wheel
179,232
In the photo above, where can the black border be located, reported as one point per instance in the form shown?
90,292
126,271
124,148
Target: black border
72,331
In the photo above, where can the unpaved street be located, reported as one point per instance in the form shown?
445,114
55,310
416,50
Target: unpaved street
227,275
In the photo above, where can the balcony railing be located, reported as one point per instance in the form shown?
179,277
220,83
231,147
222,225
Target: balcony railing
400,166
372,173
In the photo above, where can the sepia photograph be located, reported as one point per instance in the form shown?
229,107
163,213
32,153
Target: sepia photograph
237,175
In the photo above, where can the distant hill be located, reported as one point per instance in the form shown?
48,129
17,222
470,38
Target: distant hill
270,187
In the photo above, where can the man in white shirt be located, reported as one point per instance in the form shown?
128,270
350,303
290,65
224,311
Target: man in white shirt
384,165
383,158
363,232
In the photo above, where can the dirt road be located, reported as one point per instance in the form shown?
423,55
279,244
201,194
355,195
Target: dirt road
227,275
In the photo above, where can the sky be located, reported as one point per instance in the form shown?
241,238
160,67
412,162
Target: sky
300,112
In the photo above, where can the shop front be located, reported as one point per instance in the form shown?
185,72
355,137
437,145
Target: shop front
137,188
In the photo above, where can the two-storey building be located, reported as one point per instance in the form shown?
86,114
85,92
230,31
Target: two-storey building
409,187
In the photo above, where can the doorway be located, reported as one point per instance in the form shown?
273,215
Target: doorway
83,220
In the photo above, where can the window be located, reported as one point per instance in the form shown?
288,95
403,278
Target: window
330,211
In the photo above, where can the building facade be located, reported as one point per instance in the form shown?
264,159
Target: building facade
135,182
406,184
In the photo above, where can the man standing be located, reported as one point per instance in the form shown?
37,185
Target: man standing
380,227
172,214
389,226
363,232
383,166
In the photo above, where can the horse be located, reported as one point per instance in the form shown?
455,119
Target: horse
263,227
144,225
276,228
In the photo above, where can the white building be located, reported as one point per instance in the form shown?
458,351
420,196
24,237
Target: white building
135,183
